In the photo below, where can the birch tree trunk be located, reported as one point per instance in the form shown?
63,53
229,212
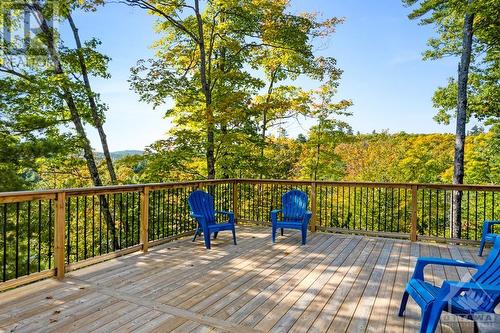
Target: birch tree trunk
93,105
458,163
75,117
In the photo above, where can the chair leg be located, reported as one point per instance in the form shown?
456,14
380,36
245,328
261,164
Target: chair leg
196,233
273,234
215,234
402,307
481,246
207,239
234,236
304,236
281,231
433,319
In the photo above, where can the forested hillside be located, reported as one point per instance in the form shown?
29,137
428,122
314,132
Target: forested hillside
380,157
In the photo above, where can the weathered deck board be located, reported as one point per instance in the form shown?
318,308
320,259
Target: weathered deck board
335,283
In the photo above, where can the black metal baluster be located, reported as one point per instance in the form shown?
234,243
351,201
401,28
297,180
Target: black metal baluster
355,204
392,209
120,225
158,204
343,206
484,206
163,213
17,240
337,208
430,212
367,207
360,208
373,208
475,224
126,219
385,209
28,239
169,215
444,215
138,218
49,244
379,224
177,220
451,210
77,228
68,240
399,205
93,226
187,226
100,227
132,231
39,235
421,230
468,211
493,205
348,207
406,212
437,213
4,234
85,227
107,228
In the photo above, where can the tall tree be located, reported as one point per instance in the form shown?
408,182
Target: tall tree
95,107
468,29
209,61
52,72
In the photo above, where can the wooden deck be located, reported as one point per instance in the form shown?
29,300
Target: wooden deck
335,283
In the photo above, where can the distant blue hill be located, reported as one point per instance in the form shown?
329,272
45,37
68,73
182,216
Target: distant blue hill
116,155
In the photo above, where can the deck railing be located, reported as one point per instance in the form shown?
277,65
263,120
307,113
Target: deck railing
48,233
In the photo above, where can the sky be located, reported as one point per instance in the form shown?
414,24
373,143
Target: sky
378,48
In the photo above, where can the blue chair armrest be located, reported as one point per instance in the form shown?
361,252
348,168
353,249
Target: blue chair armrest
488,224
450,289
197,216
418,273
274,215
229,214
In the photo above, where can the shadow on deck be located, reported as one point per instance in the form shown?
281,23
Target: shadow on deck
335,283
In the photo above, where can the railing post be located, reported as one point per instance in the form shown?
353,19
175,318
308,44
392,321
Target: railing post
414,207
59,234
235,200
145,218
312,226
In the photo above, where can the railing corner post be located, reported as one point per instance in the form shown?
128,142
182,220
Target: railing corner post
414,207
145,219
59,234
312,226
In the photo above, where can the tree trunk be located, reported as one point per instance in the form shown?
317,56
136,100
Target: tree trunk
458,163
205,86
265,120
75,117
318,152
93,105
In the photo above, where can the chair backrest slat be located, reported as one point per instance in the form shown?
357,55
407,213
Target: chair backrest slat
202,203
294,205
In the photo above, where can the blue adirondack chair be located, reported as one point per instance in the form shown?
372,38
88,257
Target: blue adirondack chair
294,214
203,210
488,234
480,294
